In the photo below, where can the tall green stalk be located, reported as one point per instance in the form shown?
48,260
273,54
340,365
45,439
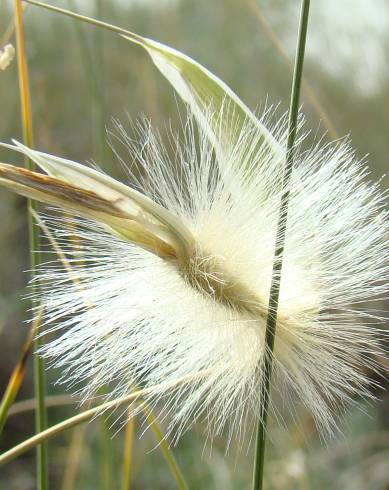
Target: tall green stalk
26,116
93,64
279,249
98,93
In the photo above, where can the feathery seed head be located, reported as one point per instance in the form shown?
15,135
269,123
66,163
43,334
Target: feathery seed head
136,315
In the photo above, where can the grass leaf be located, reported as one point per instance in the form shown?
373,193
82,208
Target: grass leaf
216,107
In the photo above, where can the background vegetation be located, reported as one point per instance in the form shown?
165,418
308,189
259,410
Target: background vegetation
81,77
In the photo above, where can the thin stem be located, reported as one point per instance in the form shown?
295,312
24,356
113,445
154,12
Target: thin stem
74,458
26,114
89,20
51,401
90,414
279,250
62,426
10,29
166,451
98,89
128,453
106,455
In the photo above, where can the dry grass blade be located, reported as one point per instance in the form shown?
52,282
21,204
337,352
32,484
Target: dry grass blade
62,426
206,94
17,375
51,401
88,415
164,446
10,29
24,84
307,89
73,458
128,453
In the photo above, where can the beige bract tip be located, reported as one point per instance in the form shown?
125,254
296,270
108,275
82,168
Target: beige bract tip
7,54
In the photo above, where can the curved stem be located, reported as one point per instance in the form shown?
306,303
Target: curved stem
17,376
61,426
30,404
165,449
279,250
84,18
92,412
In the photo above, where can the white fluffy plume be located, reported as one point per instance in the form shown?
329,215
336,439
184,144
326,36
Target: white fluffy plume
127,316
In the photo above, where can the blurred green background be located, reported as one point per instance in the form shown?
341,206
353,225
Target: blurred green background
81,77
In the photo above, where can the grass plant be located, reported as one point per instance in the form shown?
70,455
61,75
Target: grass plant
194,244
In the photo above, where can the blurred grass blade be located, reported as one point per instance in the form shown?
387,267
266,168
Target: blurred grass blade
66,424
51,401
26,116
10,29
74,458
217,108
128,453
98,92
307,88
106,455
164,447
93,70
18,373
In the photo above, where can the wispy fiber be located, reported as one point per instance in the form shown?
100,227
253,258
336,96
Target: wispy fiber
202,308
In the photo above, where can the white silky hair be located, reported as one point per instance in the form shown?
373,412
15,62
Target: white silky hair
128,318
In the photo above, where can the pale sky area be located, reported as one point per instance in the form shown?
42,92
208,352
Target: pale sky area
352,36
349,38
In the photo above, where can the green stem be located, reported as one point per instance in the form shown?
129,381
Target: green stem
279,250
106,455
40,415
94,76
98,92
166,451
26,115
